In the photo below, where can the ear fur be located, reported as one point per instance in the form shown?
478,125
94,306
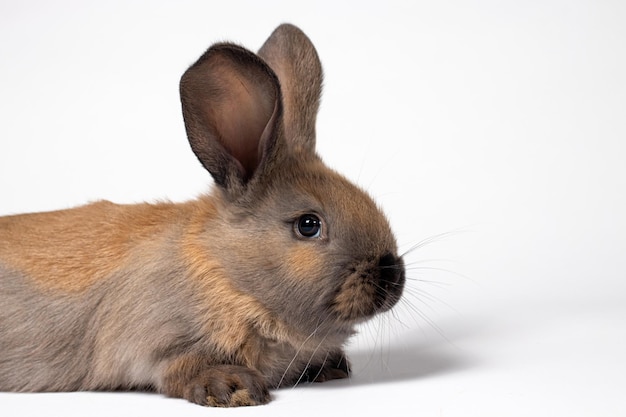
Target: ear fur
232,111
292,56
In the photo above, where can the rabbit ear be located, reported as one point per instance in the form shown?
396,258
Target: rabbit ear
292,56
232,111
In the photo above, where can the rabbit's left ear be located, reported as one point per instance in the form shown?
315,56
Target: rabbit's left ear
232,109
292,56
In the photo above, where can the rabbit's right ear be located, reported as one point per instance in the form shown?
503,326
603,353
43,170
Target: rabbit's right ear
232,109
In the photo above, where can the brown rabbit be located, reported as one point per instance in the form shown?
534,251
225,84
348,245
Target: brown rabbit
255,286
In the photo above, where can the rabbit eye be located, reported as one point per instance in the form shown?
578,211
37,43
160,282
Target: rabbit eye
309,225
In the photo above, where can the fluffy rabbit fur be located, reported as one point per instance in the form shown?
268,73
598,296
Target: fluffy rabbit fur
252,287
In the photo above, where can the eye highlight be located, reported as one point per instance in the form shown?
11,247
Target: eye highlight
308,226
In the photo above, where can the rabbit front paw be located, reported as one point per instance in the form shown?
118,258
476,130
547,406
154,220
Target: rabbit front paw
223,386
336,366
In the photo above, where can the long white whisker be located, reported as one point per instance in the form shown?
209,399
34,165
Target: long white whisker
433,268
321,367
295,356
422,315
310,359
431,239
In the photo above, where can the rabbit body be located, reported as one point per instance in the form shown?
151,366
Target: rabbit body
254,286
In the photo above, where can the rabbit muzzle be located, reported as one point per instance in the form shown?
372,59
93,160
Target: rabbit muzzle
370,287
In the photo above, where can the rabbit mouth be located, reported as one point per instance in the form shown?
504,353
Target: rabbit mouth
370,288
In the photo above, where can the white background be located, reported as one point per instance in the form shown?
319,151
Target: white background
499,124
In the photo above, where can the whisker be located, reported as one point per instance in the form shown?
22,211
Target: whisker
295,356
438,284
306,367
432,239
431,260
448,271
321,367
423,316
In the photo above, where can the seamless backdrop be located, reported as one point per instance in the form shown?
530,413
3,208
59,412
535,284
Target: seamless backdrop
492,133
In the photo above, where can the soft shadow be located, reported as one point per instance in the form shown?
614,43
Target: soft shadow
412,358
395,365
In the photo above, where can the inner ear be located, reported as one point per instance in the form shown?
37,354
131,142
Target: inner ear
231,108
241,115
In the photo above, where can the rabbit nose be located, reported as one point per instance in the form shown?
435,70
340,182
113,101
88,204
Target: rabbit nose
392,277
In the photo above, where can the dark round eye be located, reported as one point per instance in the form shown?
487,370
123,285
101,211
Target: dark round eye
309,225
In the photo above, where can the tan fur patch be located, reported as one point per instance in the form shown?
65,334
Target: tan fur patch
239,398
69,250
304,261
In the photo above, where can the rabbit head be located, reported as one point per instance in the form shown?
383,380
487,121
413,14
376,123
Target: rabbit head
311,246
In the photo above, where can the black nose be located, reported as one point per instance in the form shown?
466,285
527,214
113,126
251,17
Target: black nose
391,280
